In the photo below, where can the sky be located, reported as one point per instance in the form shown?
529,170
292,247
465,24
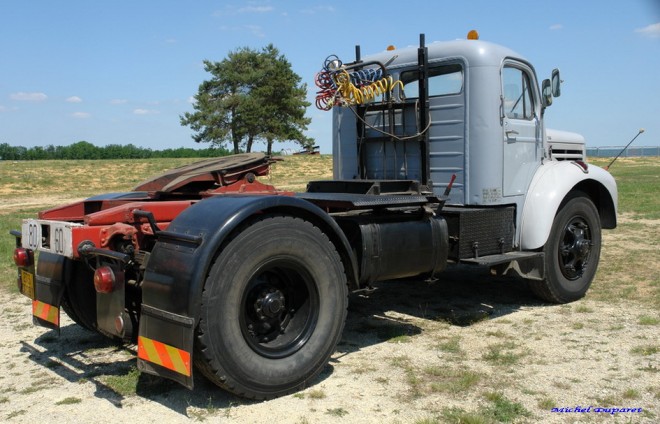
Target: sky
119,72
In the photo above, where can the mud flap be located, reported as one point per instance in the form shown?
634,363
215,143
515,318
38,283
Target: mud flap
48,290
165,345
528,265
111,317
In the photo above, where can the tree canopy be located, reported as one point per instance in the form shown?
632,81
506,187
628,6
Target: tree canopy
86,150
251,95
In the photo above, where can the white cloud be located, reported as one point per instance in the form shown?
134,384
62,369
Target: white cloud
556,27
318,9
144,111
28,97
118,101
81,115
255,9
74,99
230,10
652,31
219,13
191,100
256,30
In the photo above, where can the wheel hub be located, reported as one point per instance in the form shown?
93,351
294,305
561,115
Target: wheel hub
582,247
270,304
575,248
279,309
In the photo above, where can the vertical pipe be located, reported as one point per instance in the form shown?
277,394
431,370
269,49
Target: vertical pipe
360,129
422,66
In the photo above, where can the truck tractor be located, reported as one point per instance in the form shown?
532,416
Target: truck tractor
441,156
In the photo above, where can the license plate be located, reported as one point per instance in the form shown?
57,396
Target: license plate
49,236
27,284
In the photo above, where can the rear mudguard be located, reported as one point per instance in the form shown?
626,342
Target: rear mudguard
177,268
550,186
48,289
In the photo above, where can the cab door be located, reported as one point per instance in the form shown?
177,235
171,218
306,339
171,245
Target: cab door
521,128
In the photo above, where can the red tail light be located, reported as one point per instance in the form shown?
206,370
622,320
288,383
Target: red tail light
584,167
104,279
23,257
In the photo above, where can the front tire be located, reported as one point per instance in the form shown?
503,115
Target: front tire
273,309
572,251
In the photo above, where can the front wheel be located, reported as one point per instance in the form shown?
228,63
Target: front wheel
273,309
571,252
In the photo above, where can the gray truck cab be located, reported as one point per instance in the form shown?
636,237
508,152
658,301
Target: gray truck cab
483,122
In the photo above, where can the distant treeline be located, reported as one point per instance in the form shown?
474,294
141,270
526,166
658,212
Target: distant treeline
85,150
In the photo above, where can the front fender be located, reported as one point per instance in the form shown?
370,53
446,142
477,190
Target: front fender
550,185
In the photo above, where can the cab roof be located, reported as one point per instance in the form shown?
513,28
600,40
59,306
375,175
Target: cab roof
473,52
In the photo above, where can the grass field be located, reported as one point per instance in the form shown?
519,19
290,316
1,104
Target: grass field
632,251
467,349
638,180
29,186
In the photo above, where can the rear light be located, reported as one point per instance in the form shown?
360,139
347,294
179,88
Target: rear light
23,257
124,326
582,165
119,324
104,279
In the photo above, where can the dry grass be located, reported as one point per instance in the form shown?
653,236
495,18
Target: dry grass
41,184
294,172
516,364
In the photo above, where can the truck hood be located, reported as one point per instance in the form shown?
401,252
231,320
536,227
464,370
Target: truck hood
564,145
558,136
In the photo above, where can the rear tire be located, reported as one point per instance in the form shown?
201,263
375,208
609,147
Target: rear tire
79,299
572,251
273,309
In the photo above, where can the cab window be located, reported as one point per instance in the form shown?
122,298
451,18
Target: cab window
443,80
518,103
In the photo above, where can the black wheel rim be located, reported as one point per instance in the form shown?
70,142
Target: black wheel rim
279,309
575,248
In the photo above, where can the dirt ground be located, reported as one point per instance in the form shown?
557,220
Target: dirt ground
412,352
466,348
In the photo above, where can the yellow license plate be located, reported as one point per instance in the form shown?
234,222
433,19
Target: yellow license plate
27,284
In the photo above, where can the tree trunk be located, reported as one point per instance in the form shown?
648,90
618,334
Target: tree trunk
248,147
237,142
269,150
234,137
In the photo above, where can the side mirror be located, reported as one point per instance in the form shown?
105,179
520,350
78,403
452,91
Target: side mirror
556,83
546,93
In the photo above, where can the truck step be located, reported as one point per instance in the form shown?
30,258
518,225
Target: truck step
503,258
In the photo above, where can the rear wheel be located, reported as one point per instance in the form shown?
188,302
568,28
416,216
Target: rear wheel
273,309
79,299
572,251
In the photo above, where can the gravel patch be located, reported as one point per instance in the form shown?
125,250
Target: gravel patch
411,351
